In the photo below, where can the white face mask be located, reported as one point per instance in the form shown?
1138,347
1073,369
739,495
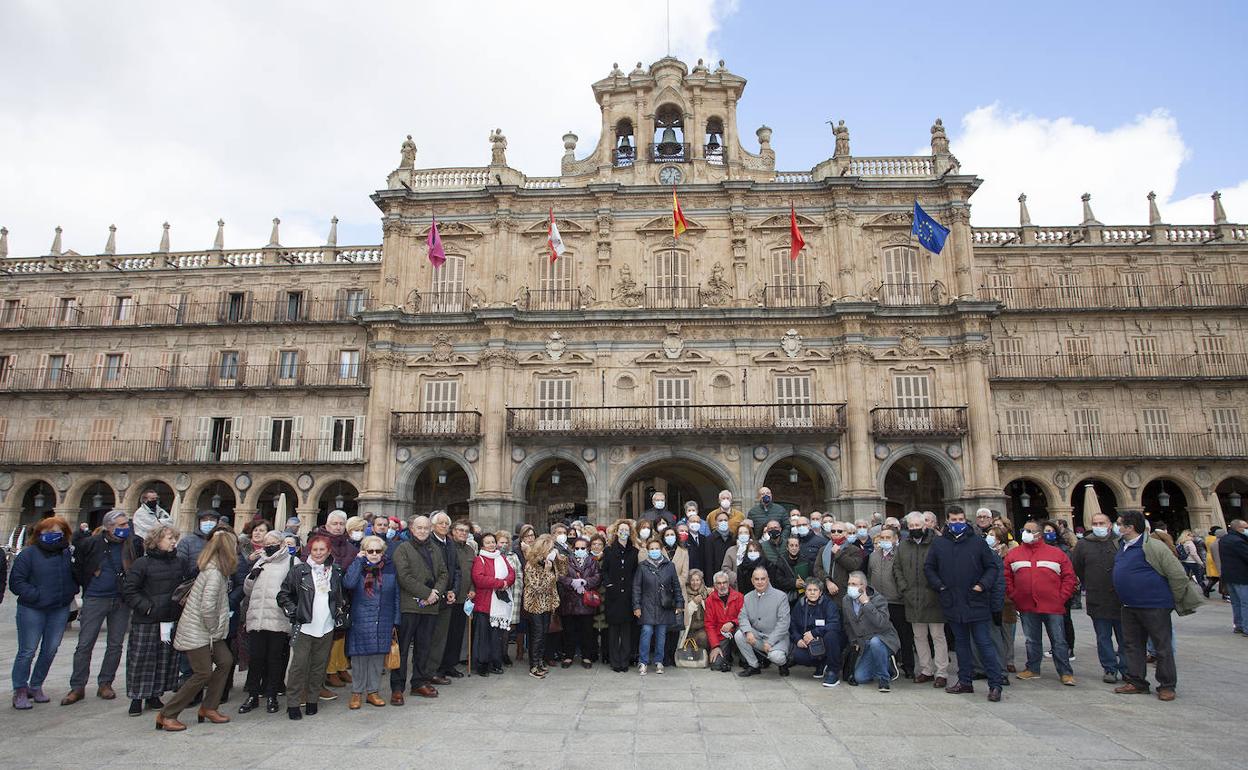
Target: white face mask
644,533
670,540
357,535
551,556
827,526
725,504
561,539
660,505
854,592
1028,536
991,540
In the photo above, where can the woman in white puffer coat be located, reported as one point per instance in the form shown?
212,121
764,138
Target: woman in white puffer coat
268,628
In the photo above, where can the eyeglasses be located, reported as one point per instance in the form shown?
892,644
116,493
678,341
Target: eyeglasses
374,550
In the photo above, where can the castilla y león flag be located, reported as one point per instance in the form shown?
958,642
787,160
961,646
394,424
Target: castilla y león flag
553,239
437,255
679,225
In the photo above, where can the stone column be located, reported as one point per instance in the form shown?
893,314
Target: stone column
982,478
384,371
10,519
841,240
240,517
1200,518
1055,512
858,459
307,521
960,240
494,473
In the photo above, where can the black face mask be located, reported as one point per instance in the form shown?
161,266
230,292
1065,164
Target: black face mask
272,549
917,534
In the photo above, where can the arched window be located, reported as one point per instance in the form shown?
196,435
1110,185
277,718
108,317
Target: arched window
625,147
446,288
669,135
714,147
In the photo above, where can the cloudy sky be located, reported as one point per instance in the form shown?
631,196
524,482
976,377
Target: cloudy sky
138,113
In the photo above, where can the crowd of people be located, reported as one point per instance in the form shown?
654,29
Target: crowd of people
385,606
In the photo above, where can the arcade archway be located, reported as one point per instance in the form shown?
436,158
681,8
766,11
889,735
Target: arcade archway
556,490
795,482
680,479
914,483
441,484
1232,493
1165,501
1105,498
38,502
216,496
97,499
1026,501
266,502
337,496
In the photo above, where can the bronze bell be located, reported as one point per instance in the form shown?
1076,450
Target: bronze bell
668,144
713,143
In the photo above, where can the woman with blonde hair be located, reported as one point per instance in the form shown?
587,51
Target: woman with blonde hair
202,629
152,665
695,610
541,597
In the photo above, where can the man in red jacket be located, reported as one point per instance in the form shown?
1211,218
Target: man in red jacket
723,608
1039,578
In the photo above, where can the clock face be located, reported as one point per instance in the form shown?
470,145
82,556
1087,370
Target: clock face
670,175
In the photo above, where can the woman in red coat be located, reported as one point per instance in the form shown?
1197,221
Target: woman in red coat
493,576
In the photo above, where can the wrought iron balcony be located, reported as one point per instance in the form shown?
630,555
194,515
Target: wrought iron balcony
1144,366
901,294
625,156
1100,297
178,452
715,154
669,152
219,377
673,297
1097,446
437,427
694,419
551,299
918,421
440,302
795,295
185,314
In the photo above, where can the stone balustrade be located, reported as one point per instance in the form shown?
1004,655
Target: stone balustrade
180,260
892,166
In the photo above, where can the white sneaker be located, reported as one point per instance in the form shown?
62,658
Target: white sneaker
642,669
658,668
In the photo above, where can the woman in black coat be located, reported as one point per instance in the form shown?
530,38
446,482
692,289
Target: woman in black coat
619,564
779,572
152,665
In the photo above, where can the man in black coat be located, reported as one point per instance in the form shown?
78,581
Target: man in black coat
1233,550
1093,560
100,568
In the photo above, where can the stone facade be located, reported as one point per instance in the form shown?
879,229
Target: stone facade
1012,370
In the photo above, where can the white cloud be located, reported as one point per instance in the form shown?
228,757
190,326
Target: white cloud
1056,160
150,111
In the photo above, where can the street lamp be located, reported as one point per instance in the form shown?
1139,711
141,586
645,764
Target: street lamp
793,475
97,501
39,500
1234,499
216,502
1163,497
442,475
339,502
914,474
1024,499
554,476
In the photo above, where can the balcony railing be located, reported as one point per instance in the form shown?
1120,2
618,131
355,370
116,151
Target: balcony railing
798,295
918,421
1121,445
715,154
177,452
1150,366
441,302
551,299
673,297
900,294
669,153
680,420
219,377
625,156
1097,297
185,314
435,426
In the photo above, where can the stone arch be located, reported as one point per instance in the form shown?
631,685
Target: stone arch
191,496
258,483
520,476
324,483
1049,488
713,467
130,500
950,473
1124,495
22,488
1191,490
83,482
407,475
831,479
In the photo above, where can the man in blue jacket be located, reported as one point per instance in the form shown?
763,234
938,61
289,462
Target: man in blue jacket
964,571
815,622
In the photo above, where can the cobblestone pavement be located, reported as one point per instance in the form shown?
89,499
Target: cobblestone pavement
689,719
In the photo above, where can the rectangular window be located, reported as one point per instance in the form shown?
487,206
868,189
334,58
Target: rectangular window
6,368
913,393
441,398
1144,354
786,271
1088,439
123,309
554,397
55,373
1009,353
1212,350
11,309
113,367
68,312
1016,436
294,306
1228,435
673,398
287,364
100,441
280,433
356,299
178,305
1201,288
344,435
1068,291
1001,286
793,399
228,368
1078,351
236,306
902,281
166,439
1156,424
447,286
1134,280
348,364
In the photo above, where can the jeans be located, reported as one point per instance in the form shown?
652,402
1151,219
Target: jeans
831,656
659,635
1154,625
964,636
96,611
1109,636
1034,625
873,662
1239,603
39,630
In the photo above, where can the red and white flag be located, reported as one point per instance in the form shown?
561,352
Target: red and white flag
553,239
795,234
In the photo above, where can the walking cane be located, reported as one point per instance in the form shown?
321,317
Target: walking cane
470,643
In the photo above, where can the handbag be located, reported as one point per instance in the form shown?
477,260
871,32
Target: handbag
817,648
592,599
181,591
666,600
393,659
690,655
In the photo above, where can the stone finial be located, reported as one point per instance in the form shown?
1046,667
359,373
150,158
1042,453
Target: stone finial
764,137
841,132
1154,216
274,241
1024,216
940,140
218,243
1219,213
110,247
4,242
407,153
615,70
164,239
498,148
721,67
332,240
1088,218
56,243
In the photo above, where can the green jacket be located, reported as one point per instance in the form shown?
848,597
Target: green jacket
1187,597
420,569
761,515
465,554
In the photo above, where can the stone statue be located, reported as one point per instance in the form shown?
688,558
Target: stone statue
940,142
718,291
626,291
498,148
407,153
842,140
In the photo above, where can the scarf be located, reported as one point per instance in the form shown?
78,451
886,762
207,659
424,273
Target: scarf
320,576
372,576
144,521
500,609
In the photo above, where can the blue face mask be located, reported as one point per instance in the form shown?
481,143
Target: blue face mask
885,545
766,499
121,533
655,553
862,534
991,540
391,534
51,537
290,549
722,526
1050,537
207,526
1100,531
957,527
580,553
1117,530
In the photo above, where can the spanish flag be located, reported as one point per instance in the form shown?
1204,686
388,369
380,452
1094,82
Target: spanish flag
679,225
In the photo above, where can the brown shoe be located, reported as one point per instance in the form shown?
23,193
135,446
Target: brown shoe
396,698
1130,689
923,679
425,691
1068,680
357,700
1026,674
939,682
1165,693
375,700
1010,669
440,680
327,694
212,715
73,696
960,689
106,692
345,676
169,724
333,680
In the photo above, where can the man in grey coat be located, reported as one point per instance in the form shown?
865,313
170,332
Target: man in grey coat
763,625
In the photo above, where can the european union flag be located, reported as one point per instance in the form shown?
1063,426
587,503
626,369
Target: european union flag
930,233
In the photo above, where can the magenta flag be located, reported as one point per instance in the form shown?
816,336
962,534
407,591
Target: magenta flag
436,253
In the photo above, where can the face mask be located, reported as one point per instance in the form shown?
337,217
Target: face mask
551,556
290,549
670,540
51,537
1100,531
1050,537
852,536
991,540
957,527
597,554
1028,536
580,553
827,525
207,526
1117,530
623,537
660,505
151,505
722,526
854,592
357,536
915,534
684,536
887,545
725,504
766,499
271,549
121,533
654,553
561,539
803,530
743,539
391,534
644,533
862,534
752,555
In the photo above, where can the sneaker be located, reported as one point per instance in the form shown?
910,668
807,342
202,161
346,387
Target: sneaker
1048,653
883,685
1110,677
1026,674
1071,657
327,694
658,668
819,672
642,669
1068,680
832,683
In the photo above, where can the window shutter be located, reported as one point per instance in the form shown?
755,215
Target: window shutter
357,448
264,428
203,429
325,447
296,440
97,372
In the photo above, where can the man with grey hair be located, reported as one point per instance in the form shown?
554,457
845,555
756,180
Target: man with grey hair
420,569
99,567
443,543
923,610
983,520
763,625
722,614
658,510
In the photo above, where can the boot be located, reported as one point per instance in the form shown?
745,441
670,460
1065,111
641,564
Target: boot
212,715
310,709
155,703
294,713
136,707
38,696
73,696
169,724
271,706
252,703
21,699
